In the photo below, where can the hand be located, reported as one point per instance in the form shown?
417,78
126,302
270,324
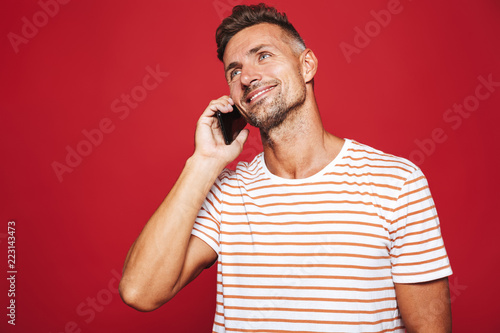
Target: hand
209,141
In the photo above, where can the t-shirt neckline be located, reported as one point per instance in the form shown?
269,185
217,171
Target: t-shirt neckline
347,143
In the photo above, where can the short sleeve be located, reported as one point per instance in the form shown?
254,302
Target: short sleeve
207,223
417,248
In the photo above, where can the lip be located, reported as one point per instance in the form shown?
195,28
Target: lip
252,97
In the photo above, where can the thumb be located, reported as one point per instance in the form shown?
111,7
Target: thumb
241,138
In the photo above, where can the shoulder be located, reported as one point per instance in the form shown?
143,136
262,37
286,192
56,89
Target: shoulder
253,169
244,170
360,156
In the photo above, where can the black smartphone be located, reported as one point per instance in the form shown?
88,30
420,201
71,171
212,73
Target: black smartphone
231,124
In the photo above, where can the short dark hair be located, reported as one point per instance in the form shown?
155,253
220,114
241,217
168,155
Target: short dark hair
244,16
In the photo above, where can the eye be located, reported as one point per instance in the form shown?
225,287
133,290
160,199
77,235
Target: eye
264,56
234,73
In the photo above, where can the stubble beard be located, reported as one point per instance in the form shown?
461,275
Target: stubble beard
268,115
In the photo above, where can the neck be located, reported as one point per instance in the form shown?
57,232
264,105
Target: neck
300,147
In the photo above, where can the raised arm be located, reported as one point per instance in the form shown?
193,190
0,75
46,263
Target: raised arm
165,257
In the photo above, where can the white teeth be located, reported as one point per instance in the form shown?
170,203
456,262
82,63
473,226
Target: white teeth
260,93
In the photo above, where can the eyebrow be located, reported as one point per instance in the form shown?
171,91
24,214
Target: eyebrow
250,52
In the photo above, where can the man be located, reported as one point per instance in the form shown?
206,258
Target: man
317,234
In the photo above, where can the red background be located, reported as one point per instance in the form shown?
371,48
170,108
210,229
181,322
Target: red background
72,233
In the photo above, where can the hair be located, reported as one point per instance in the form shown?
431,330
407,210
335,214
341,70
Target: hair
244,16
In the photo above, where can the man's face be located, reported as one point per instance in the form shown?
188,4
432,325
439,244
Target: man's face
264,75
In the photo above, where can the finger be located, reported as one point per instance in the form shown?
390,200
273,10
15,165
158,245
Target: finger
217,105
223,99
241,138
228,99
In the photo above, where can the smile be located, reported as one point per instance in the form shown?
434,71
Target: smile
259,93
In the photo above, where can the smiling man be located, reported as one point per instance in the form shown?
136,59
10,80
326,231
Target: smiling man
316,234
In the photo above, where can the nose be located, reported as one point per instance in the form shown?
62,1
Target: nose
250,75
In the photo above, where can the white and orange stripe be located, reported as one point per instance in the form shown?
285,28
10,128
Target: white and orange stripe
321,254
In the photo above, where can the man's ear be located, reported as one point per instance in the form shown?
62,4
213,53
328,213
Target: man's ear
309,64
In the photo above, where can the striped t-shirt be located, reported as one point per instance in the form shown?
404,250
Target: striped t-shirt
320,254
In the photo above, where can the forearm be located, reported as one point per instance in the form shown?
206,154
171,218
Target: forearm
155,260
